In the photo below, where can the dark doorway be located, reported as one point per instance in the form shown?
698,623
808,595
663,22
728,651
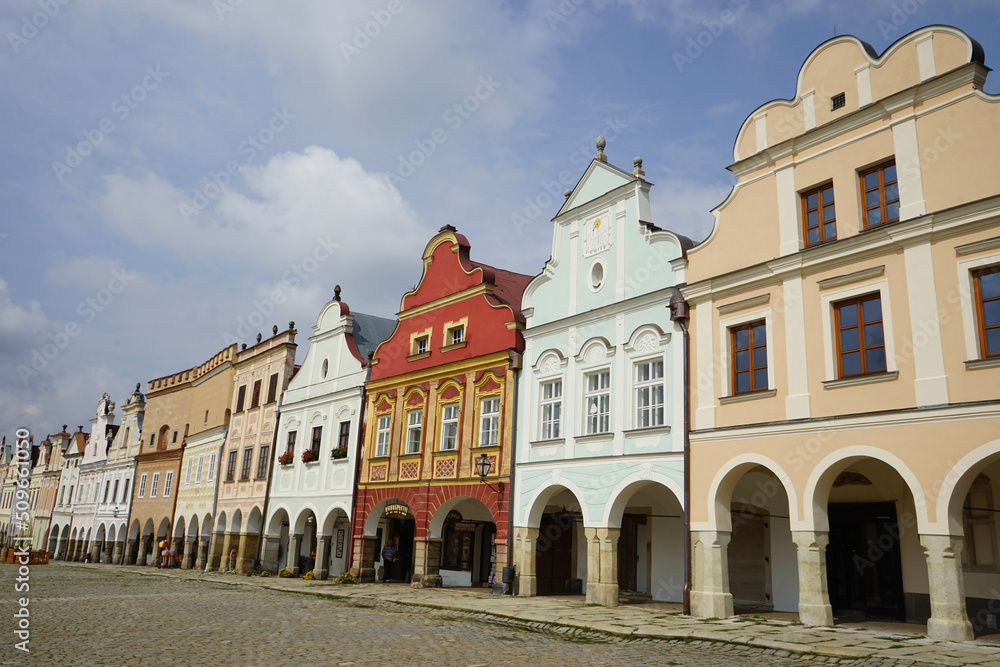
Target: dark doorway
402,534
488,554
631,548
749,558
554,564
864,568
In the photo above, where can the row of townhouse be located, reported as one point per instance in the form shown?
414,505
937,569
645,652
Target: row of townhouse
799,414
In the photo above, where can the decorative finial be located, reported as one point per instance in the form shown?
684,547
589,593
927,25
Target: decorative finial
64,428
567,193
274,330
637,163
137,385
336,292
244,346
258,337
601,143
291,324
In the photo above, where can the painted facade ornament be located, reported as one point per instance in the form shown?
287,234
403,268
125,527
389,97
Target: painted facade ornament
597,234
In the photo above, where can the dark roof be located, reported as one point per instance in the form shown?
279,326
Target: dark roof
508,287
369,331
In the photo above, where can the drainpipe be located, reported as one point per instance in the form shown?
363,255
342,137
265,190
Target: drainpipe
215,498
515,365
362,426
680,314
131,497
270,476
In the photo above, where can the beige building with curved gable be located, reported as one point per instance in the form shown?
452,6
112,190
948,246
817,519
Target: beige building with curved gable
845,318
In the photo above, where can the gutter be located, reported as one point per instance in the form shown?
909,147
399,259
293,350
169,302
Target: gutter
515,365
215,498
680,313
270,476
362,427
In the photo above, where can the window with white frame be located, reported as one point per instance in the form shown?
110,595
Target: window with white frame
187,471
125,489
211,467
489,421
649,393
155,483
550,407
449,427
201,467
456,335
382,439
414,430
597,402
167,483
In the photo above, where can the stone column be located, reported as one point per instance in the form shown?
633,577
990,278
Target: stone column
593,565
227,546
190,549
814,596
363,560
525,554
69,551
608,587
108,546
322,569
710,596
432,563
292,557
140,558
203,545
251,541
949,620
215,556
269,553
116,552
180,552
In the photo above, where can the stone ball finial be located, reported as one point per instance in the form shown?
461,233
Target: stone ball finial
291,324
274,330
567,193
244,346
601,143
336,292
637,162
259,337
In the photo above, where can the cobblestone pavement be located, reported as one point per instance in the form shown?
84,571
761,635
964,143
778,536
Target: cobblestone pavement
113,616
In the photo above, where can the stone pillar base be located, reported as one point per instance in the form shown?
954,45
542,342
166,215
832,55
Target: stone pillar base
365,575
525,555
427,581
710,596
814,597
949,619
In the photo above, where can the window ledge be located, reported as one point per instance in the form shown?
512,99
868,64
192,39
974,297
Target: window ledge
976,364
417,357
446,451
647,430
590,437
550,441
868,378
453,346
408,456
747,396
495,445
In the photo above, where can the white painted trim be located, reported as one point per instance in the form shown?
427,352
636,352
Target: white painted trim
863,75
788,210
931,382
614,495
943,522
760,128
744,303
815,517
809,109
797,402
908,169
826,306
721,475
925,56
965,296
705,410
724,338
529,508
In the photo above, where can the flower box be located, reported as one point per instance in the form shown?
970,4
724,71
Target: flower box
339,453
286,459
310,455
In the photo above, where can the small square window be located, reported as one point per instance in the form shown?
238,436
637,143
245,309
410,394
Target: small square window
837,101
457,336
422,345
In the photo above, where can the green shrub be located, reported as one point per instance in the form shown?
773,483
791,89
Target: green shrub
284,573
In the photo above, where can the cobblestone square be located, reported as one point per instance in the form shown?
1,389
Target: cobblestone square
147,620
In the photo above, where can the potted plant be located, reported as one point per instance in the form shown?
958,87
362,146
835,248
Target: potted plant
286,459
310,455
339,453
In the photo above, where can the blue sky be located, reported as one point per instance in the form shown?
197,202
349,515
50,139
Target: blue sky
181,174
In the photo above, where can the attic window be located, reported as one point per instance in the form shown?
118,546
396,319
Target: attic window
837,101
